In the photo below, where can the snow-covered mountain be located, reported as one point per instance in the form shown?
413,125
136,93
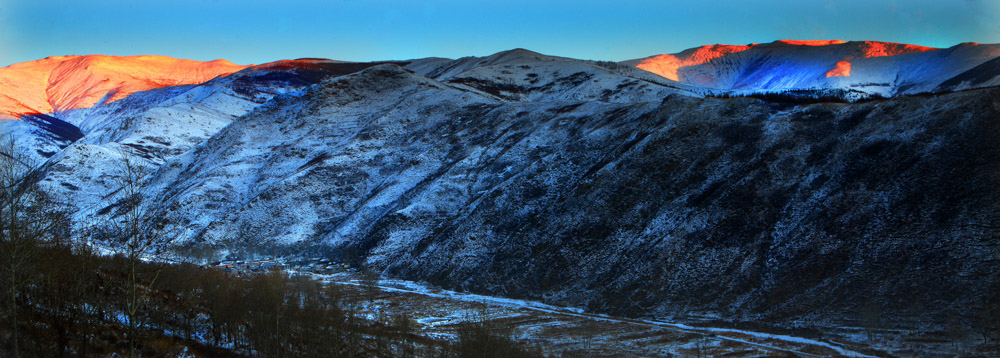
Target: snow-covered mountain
871,67
169,122
155,125
592,184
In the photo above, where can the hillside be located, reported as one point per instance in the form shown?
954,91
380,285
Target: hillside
735,208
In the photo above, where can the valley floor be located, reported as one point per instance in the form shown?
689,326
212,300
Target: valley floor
571,332
438,314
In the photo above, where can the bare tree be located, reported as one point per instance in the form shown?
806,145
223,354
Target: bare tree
406,328
871,319
369,284
956,331
135,234
485,334
24,210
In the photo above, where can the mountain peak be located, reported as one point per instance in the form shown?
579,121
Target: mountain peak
810,42
514,54
520,51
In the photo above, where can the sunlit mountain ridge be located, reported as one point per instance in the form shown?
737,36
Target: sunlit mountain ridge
870,67
61,83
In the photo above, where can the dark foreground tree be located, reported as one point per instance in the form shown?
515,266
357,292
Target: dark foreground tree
25,220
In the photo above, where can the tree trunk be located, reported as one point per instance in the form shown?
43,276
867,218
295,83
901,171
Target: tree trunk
13,312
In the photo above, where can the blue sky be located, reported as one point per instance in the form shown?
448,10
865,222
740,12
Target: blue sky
250,31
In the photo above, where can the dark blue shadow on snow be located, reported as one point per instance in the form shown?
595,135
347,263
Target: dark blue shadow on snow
54,128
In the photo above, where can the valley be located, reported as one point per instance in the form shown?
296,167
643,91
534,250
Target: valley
735,201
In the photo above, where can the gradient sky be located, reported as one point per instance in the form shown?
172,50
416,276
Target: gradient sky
251,31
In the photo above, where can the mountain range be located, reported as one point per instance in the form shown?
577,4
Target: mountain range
787,181
868,67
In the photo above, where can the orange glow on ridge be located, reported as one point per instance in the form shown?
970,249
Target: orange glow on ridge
667,65
811,42
879,49
843,70
67,82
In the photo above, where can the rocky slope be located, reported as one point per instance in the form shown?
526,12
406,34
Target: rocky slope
293,143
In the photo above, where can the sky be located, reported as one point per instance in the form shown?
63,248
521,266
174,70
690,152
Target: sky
253,32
